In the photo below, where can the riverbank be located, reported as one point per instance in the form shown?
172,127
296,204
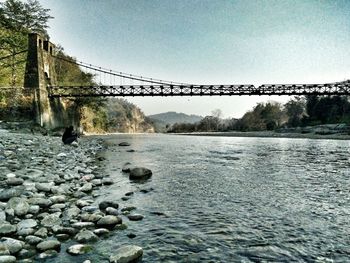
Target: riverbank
271,134
48,194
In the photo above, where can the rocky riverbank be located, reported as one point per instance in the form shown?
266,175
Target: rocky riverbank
47,196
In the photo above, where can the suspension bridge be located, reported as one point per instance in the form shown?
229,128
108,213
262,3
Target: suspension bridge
145,86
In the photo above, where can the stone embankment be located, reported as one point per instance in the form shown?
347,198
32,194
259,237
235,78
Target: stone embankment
47,193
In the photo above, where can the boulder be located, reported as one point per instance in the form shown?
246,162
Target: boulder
126,254
140,173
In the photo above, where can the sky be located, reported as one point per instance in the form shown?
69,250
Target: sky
208,42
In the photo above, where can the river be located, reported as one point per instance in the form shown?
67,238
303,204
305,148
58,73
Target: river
229,199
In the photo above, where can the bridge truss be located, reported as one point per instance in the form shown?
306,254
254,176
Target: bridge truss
161,88
342,88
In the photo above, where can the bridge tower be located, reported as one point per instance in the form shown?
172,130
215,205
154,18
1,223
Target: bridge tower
40,73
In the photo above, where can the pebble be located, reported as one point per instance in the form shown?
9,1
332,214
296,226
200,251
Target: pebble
109,221
12,244
6,229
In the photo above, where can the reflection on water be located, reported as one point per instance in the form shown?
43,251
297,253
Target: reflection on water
219,199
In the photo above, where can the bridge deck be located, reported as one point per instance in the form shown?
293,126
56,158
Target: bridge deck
341,88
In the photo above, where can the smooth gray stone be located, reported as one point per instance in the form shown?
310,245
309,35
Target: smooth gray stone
79,249
126,254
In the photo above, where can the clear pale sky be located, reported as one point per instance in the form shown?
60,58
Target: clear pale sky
208,42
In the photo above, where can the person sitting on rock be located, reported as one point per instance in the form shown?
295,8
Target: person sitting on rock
69,135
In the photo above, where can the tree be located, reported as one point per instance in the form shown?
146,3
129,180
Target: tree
295,110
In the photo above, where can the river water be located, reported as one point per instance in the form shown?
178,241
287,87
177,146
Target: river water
227,199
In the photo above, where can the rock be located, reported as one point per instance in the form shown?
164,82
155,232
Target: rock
126,254
111,211
135,217
57,199
25,232
86,187
89,208
42,232
42,202
109,221
19,205
131,235
96,182
47,254
34,209
128,208
65,230
127,167
6,229
81,225
44,187
27,223
104,204
86,236
121,227
101,231
140,173
14,181
4,250
124,144
7,259
79,249
82,203
57,207
129,193
107,181
25,253
49,245
33,240
62,237
71,213
91,217
130,151
2,216
13,245
51,220
125,198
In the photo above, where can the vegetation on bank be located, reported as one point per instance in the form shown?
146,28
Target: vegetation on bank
298,112
17,19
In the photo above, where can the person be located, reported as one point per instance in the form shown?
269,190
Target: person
69,135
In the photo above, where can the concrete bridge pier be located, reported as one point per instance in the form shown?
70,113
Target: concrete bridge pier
40,73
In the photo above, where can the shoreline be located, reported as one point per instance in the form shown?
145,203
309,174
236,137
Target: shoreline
48,199
269,134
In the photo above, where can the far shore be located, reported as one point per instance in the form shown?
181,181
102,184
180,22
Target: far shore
270,134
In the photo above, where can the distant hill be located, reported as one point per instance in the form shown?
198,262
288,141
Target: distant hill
172,117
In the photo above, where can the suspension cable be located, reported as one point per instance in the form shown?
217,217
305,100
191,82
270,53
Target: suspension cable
121,74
